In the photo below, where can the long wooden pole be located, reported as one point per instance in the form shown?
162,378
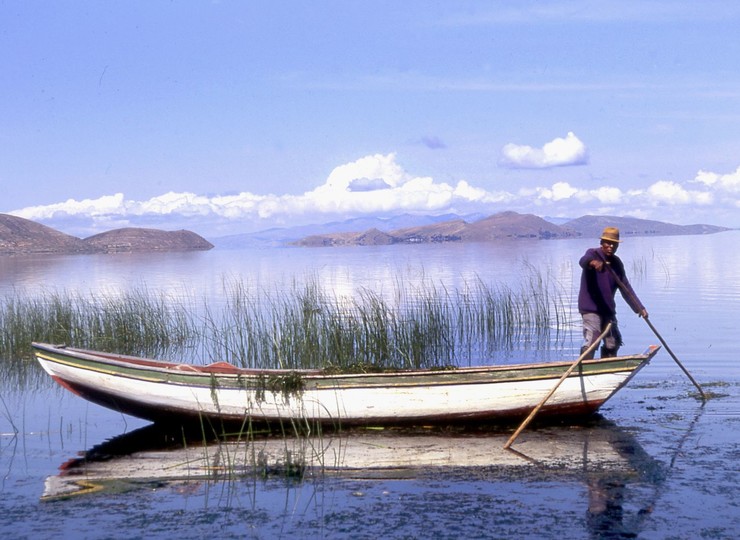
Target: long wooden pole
624,289
675,359
565,375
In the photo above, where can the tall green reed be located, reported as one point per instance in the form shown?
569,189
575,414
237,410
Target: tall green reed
426,325
302,325
133,322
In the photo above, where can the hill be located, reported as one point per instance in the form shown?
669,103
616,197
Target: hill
629,226
21,236
505,225
136,239
288,235
500,226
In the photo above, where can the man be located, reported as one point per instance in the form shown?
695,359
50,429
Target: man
603,273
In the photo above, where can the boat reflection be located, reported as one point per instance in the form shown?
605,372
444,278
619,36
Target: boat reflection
600,453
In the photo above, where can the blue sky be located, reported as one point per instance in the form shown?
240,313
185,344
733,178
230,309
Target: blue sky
227,117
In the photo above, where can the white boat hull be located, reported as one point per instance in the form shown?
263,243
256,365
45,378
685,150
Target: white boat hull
159,390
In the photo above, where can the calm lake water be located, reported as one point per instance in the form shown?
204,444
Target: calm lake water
656,464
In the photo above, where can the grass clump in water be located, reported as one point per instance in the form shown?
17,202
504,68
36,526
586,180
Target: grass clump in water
136,322
303,326
427,326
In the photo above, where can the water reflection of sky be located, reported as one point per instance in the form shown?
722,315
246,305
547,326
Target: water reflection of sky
690,284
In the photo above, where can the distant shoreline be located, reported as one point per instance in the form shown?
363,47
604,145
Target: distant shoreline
19,236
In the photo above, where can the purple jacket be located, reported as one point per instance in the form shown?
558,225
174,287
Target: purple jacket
599,288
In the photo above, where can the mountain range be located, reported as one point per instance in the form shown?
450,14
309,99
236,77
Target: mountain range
19,235
505,225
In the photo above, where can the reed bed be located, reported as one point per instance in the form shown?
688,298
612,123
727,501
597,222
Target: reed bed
299,326
133,322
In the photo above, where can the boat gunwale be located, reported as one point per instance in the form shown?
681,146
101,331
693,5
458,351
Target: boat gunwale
225,370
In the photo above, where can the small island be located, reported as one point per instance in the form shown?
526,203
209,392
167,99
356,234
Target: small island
23,236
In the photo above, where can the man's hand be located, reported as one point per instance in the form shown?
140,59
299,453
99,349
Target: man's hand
597,265
643,313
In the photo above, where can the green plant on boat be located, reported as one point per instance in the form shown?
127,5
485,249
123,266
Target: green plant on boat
288,385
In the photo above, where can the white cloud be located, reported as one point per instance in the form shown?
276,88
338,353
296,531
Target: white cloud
557,153
377,167
563,191
560,191
608,195
671,193
108,204
729,183
379,185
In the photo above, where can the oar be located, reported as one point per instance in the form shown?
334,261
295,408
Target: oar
565,375
624,289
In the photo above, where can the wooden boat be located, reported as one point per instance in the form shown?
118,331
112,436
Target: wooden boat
166,391
153,455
